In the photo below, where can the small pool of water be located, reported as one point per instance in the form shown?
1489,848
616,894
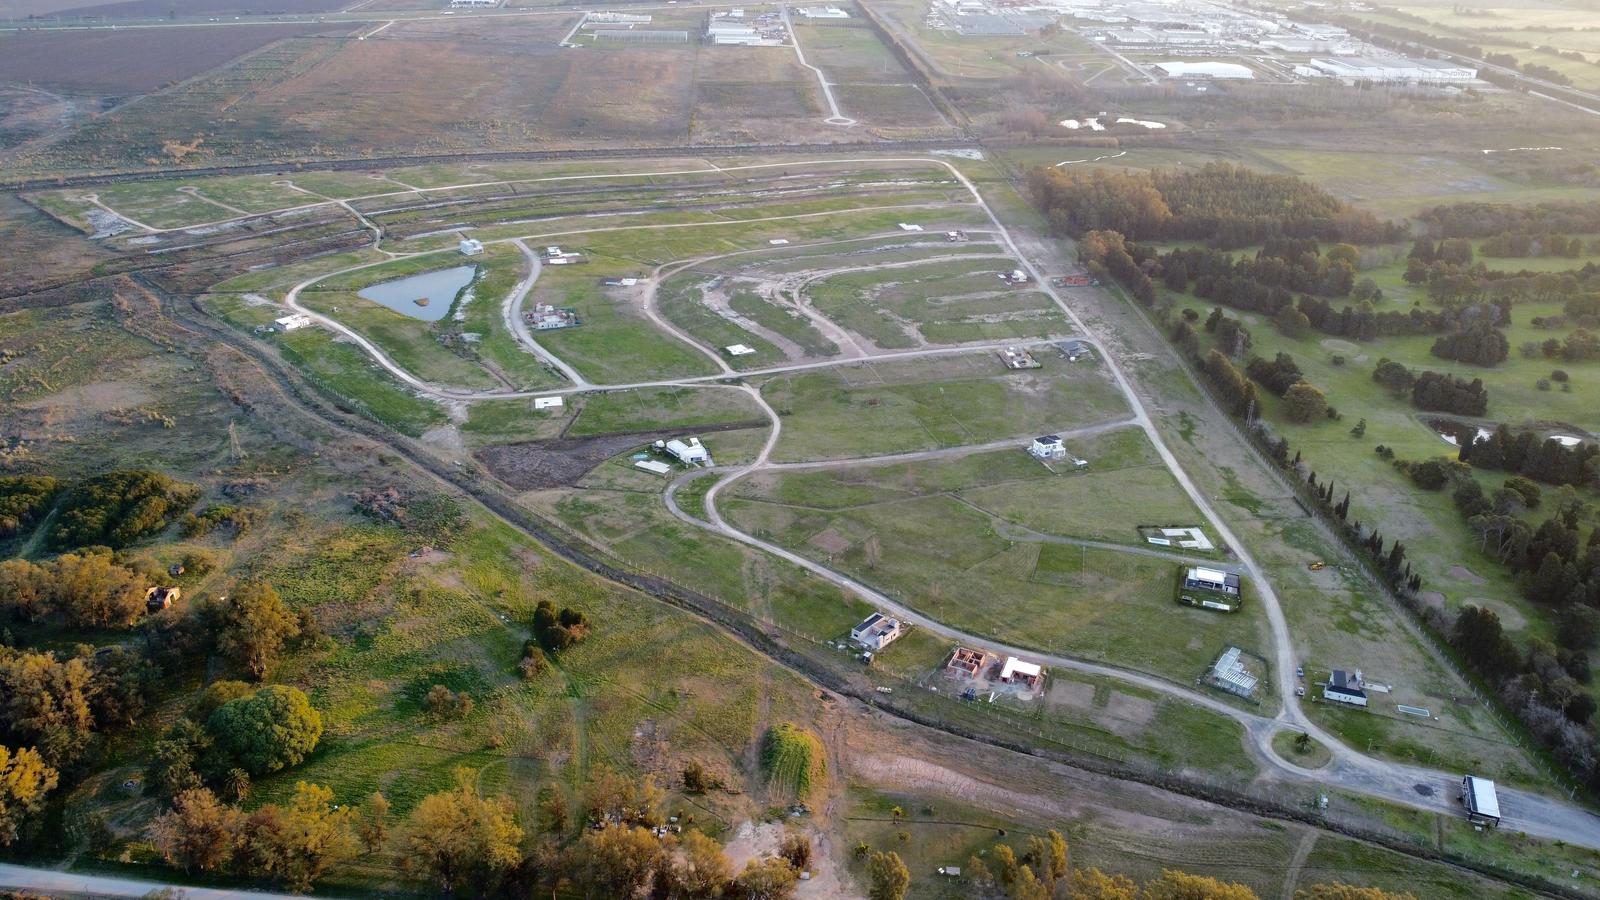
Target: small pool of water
1457,433
437,290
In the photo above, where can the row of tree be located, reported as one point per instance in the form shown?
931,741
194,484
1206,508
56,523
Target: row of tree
1541,459
1521,244
1433,391
1228,206
1486,220
87,590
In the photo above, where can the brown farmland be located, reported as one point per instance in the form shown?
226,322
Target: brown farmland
128,62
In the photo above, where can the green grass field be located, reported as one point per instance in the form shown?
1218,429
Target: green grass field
874,409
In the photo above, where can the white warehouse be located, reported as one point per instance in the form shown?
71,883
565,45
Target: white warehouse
1356,68
1216,70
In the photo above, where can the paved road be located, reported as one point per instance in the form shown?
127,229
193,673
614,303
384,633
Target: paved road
51,881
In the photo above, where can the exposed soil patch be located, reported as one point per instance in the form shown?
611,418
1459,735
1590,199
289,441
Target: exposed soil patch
1076,694
1462,573
562,461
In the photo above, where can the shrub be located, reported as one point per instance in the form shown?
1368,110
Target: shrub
22,499
793,760
1560,375
119,507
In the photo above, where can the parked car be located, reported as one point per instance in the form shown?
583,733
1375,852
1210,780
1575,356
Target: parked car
1299,671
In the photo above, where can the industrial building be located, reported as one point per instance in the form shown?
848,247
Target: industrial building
1220,71
1393,69
821,12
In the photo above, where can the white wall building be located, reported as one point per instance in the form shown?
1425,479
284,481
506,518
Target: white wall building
470,247
1048,446
291,323
690,452
877,631
1216,70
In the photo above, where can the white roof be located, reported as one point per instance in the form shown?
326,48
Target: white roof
548,402
739,349
651,465
1205,69
1485,802
778,242
1201,573
1016,666
906,226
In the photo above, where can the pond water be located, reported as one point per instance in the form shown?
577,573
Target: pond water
1457,433
437,288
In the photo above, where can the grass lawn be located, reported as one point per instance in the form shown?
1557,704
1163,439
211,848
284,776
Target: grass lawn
615,343
941,302
500,269
1314,756
943,558
412,343
642,409
871,409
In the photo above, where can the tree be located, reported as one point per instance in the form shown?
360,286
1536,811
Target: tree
1028,886
374,826
887,877
1304,403
459,838
698,868
45,703
91,591
199,832
1174,885
25,780
1480,638
298,843
618,861
273,728
1093,884
1050,857
796,848
767,879
252,625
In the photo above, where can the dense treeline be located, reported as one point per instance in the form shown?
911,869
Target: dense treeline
1520,244
22,499
117,508
1525,453
1228,206
1478,343
1487,220
1433,391
87,590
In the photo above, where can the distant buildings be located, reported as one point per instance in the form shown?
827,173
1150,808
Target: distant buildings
1393,69
544,317
821,12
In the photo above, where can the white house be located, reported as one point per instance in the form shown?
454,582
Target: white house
470,247
292,322
739,349
1207,579
1345,687
877,631
1015,671
690,453
1048,446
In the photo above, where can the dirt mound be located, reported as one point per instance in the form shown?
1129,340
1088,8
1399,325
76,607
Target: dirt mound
562,461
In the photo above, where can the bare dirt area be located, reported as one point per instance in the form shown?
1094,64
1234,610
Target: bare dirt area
563,461
133,9
133,61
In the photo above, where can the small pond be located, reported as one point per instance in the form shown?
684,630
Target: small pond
1457,433
437,290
